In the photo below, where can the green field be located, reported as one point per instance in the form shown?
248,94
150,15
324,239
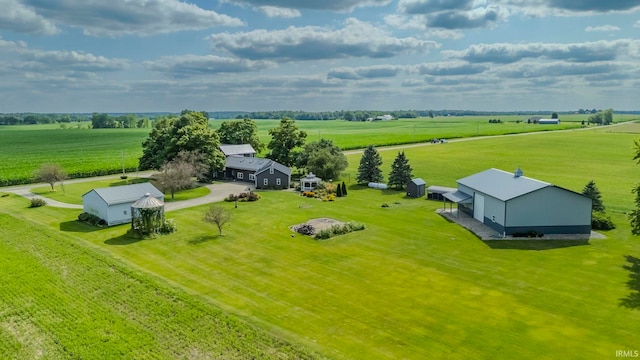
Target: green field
85,152
412,285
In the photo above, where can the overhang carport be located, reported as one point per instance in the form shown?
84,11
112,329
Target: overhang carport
458,197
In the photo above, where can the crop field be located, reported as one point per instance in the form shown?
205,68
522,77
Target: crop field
412,285
84,152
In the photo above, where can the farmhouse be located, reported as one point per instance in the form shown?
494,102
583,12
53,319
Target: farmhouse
113,204
263,173
512,203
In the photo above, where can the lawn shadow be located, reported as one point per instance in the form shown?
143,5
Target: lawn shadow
533,244
203,239
632,301
77,226
124,239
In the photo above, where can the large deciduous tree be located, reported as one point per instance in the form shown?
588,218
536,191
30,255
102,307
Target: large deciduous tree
591,191
323,158
240,132
179,173
400,173
369,169
50,174
284,140
190,132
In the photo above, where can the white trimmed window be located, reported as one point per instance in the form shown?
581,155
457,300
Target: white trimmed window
278,182
240,175
252,176
271,170
265,181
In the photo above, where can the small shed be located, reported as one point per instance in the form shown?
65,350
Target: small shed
113,204
416,188
147,215
435,192
309,182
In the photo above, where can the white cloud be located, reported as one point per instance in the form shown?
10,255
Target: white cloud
130,17
355,39
194,65
333,5
17,17
278,12
602,28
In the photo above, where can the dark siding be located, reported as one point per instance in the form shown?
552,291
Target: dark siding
272,178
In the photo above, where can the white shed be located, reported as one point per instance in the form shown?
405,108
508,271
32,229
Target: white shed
113,204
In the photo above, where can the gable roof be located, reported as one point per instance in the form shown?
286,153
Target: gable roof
501,184
239,149
246,163
276,166
126,193
418,181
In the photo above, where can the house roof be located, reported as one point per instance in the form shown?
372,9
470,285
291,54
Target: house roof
240,149
311,177
276,166
418,181
501,184
247,163
126,193
458,197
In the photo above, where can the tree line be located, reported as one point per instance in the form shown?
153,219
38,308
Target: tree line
32,119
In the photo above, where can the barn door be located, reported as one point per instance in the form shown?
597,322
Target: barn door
478,207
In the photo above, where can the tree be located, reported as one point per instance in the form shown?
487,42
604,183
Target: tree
240,132
322,158
344,189
369,169
50,174
634,215
190,132
400,171
175,176
554,115
339,191
284,139
217,215
591,191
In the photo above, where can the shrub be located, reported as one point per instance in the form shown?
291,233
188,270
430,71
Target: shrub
339,229
4,194
168,227
385,205
253,197
231,198
123,177
306,229
37,202
91,219
599,221
329,197
309,194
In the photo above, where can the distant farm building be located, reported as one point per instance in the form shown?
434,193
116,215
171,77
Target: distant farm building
549,121
512,203
113,204
416,188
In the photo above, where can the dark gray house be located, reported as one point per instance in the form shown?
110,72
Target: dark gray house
263,173
416,188
511,203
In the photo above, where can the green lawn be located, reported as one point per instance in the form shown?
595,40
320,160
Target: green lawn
412,285
72,193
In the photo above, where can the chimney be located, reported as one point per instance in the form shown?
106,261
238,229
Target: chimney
518,173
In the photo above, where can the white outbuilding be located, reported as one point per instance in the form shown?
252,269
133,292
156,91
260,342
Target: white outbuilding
113,204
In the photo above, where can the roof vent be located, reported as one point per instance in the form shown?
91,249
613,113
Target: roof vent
518,173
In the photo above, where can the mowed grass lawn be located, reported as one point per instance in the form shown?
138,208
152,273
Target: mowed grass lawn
412,285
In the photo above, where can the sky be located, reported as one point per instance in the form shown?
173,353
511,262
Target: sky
318,55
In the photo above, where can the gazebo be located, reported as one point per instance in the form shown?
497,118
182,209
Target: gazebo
309,182
147,215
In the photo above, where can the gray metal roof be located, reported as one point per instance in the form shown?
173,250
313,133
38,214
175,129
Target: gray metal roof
147,202
418,181
247,163
458,197
126,193
440,189
501,184
239,149
276,166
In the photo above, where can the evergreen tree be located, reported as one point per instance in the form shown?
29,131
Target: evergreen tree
344,189
339,191
369,169
400,171
634,215
591,191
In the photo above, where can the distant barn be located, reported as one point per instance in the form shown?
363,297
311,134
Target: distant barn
113,204
549,121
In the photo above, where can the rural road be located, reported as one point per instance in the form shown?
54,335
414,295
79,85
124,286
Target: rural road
221,190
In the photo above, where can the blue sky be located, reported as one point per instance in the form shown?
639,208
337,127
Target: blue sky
313,55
